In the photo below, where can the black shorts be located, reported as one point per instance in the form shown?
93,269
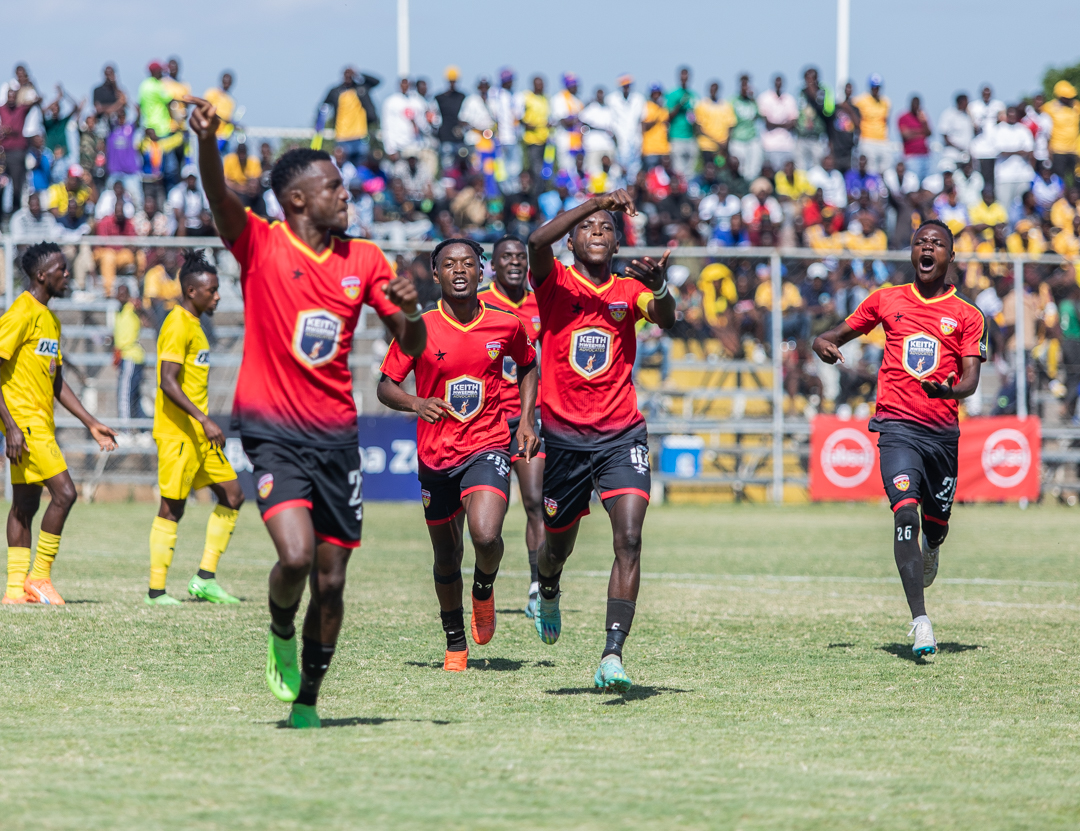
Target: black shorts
514,423
570,476
326,481
442,491
918,466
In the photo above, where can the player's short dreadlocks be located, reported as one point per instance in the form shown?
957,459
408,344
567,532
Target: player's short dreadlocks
36,255
195,263
475,246
291,165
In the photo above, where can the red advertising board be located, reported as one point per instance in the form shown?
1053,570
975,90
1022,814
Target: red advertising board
998,462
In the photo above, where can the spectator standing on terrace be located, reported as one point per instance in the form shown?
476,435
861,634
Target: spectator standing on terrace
874,126
354,114
565,108
781,114
957,131
128,355
509,106
816,110
154,101
1014,146
225,105
398,122
451,132
655,146
713,118
744,143
599,141
242,174
845,127
108,99
903,186
628,108
56,125
914,131
1064,110
122,157
534,121
1041,126
985,113
178,90
680,104
14,144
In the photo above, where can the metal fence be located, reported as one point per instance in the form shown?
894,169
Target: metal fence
774,460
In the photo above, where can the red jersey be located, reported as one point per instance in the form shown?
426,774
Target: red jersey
529,315
587,362
463,365
925,340
300,312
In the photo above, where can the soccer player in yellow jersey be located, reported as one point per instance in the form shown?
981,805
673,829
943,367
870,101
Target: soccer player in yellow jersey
190,445
30,378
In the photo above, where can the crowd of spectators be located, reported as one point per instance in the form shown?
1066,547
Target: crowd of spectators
796,167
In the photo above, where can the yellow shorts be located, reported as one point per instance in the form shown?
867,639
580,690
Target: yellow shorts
41,460
184,465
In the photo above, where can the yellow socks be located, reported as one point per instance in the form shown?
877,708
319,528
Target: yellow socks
219,529
47,547
18,563
162,543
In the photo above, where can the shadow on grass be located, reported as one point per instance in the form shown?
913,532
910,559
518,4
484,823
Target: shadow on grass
360,721
903,650
840,646
486,664
637,693
72,602
510,611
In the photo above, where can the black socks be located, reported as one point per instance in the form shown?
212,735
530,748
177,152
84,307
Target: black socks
281,619
549,586
314,662
156,592
620,616
453,624
909,558
483,584
206,575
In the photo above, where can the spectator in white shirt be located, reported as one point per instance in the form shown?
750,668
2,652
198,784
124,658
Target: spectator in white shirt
509,108
781,112
1041,125
32,221
1047,187
717,208
478,112
902,185
627,108
957,131
398,122
1015,147
599,140
830,180
985,113
969,183
188,204
106,203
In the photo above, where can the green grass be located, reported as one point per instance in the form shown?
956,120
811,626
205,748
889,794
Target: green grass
761,701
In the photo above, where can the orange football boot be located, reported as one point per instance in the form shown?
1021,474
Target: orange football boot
11,601
483,619
456,661
43,592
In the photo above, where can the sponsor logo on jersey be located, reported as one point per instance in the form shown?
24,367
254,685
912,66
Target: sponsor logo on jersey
618,310
351,285
266,484
1006,458
47,346
590,351
902,482
315,340
921,354
425,495
202,357
948,325
494,349
847,457
509,370
465,395
536,323
550,506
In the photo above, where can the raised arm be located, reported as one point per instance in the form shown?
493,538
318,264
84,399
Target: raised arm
541,257
228,210
170,385
407,326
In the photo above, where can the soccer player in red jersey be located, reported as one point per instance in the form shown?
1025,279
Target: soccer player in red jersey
462,435
509,292
594,434
932,337
304,285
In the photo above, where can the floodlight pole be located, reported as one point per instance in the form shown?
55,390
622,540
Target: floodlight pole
403,38
843,45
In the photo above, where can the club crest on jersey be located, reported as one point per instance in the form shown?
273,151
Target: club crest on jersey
202,357
266,484
590,351
536,323
921,354
948,325
902,482
550,506
425,495
509,370
465,395
315,340
351,285
618,310
494,349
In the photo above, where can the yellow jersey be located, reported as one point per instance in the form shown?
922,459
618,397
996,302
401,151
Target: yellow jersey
714,120
225,106
1065,131
30,347
655,142
126,331
182,341
535,119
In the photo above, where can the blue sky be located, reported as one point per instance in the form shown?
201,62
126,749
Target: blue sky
286,53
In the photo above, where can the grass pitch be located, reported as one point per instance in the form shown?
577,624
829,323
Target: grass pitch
774,685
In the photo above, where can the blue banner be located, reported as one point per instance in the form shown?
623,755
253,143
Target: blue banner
387,454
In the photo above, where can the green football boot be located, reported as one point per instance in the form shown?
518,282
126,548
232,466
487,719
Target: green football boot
160,600
303,717
611,676
209,589
282,671
548,620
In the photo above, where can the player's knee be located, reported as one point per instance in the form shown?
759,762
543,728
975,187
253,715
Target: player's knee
296,562
628,543
533,504
63,495
234,499
906,523
331,583
935,533
485,538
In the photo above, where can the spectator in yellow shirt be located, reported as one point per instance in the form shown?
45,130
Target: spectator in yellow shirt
242,173
795,321
714,119
1026,238
655,146
536,129
989,217
868,238
161,288
128,355
1062,211
225,106
873,110
792,184
1064,111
